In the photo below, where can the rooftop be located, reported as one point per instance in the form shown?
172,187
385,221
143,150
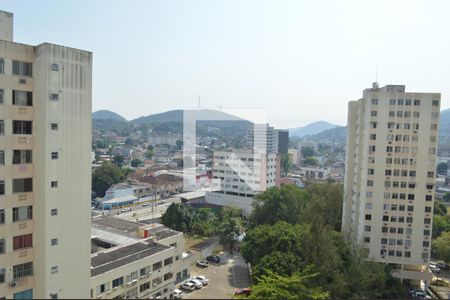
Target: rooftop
108,260
160,231
115,225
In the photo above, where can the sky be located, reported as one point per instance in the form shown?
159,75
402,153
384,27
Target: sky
301,61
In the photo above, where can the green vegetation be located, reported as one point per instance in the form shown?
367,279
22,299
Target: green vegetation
105,176
442,168
307,151
295,237
286,163
441,246
136,163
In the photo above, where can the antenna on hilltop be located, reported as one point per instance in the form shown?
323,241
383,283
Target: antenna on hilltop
376,75
199,104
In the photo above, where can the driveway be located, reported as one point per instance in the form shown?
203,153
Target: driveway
230,273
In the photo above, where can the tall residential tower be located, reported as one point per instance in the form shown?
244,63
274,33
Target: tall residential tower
390,174
45,169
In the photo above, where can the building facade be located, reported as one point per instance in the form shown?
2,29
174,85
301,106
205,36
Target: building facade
390,176
45,168
239,175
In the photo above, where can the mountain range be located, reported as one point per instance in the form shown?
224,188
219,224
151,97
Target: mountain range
311,129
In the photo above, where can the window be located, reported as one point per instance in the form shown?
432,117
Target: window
370,171
54,155
2,100
410,208
427,209
366,239
168,275
22,157
2,157
54,184
2,127
427,221
391,101
54,269
22,213
22,185
54,67
369,182
2,216
54,126
430,174
54,96
54,242
373,125
426,232
391,113
2,187
116,282
2,246
2,275
157,266
144,286
416,114
368,217
374,101
145,271
22,98
428,197
22,270
426,244
373,137
2,66
433,126
385,218
22,241
22,127
400,102
168,261
429,186
367,228
416,102
373,113
435,102
22,68
408,102
54,212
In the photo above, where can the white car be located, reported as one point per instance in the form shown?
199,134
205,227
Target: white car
125,209
177,294
197,283
145,204
202,279
434,268
188,286
420,295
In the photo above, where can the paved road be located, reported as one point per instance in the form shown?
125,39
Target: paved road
231,273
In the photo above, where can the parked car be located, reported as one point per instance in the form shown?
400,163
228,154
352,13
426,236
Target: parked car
125,209
413,291
197,283
420,295
442,265
213,258
434,268
203,263
177,294
145,204
244,291
188,286
202,279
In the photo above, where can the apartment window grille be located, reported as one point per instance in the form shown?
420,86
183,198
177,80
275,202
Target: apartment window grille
22,68
54,211
2,94
22,270
2,187
117,282
2,216
54,126
54,184
374,101
435,102
54,242
54,96
399,101
54,269
2,127
54,67
2,157
416,102
54,155
2,275
22,98
2,246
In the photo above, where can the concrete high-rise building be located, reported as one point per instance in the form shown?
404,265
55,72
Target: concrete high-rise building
239,175
45,168
266,138
390,177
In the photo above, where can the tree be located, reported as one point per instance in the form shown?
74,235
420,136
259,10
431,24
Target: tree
136,162
446,197
310,161
307,151
177,217
204,222
297,286
440,225
149,153
284,203
442,168
230,226
440,208
441,246
118,160
105,176
286,163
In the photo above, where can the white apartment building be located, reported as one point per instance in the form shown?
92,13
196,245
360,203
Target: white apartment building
266,138
136,261
45,168
390,176
238,175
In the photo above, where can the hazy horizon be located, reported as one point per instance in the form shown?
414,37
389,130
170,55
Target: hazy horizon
302,61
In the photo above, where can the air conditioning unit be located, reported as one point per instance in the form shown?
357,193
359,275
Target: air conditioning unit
22,81
13,284
108,292
115,288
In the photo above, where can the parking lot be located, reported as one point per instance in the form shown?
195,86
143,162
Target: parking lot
230,273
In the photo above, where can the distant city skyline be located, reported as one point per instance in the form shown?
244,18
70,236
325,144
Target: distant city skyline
302,61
